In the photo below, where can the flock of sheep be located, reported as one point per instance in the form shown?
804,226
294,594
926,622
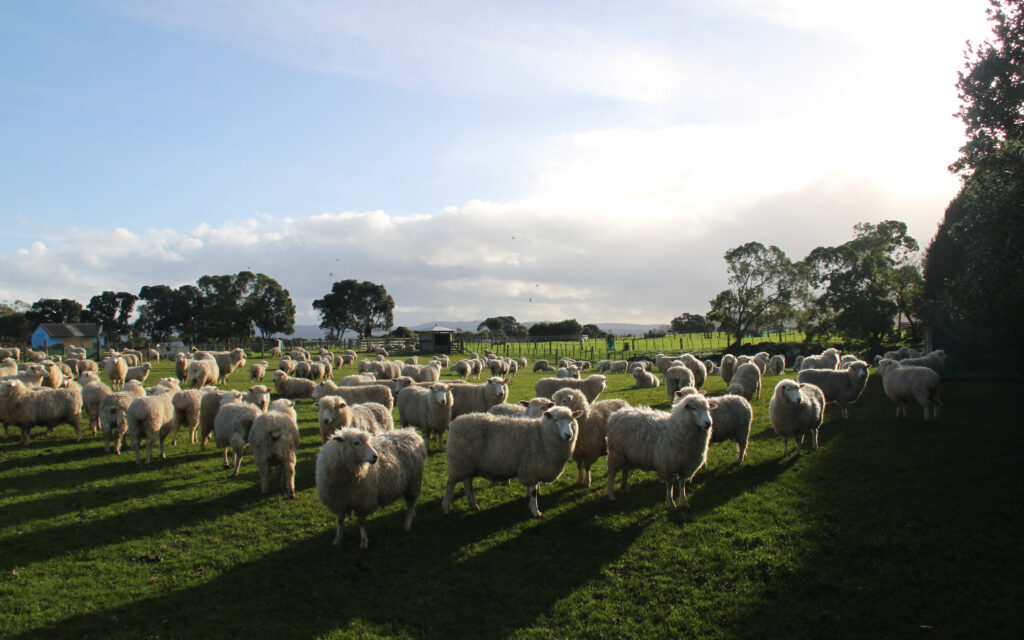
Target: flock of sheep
365,462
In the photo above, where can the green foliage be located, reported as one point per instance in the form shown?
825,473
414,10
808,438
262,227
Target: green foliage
764,282
269,307
360,306
402,332
690,323
112,310
51,310
568,327
502,325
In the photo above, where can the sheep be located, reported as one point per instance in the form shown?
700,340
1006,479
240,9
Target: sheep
542,365
394,384
711,367
288,387
676,378
8,367
730,420
113,414
14,353
522,362
570,372
139,373
462,369
477,367
593,428
777,364
727,367
498,367
186,405
116,369
258,371
354,379
798,362
152,417
746,381
761,359
92,395
287,365
591,386
357,473
273,441
469,398
796,409
936,361
201,372
502,447
603,366
227,362
25,408
180,366
209,405
847,360
53,376
644,379
333,413
31,376
358,394
34,356
617,366
673,444
828,359
231,430
429,408
842,387
903,383
532,408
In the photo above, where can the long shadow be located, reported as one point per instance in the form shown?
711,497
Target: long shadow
88,498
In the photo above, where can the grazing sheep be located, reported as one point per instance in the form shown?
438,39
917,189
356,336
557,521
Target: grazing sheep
186,405
25,408
359,394
796,410
676,378
354,379
114,414
727,367
470,398
842,387
777,365
746,381
827,359
231,430
903,383
334,413
532,408
568,372
116,369
357,473
139,373
394,384
258,371
730,420
644,379
591,386
603,366
593,428
502,447
617,366
674,444
152,418
288,387
274,440
92,395
209,405
663,362
522,362
542,365
429,408
936,361
201,372
798,362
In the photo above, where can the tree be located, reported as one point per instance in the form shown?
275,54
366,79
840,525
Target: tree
360,306
763,281
502,325
222,316
112,311
51,310
402,332
564,328
14,327
593,331
690,323
165,310
269,307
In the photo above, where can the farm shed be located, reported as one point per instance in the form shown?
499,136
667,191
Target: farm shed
59,336
437,340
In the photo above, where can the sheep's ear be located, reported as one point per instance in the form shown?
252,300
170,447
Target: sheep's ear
800,385
451,386
712,405
703,392
316,403
505,381
551,403
525,403
577,414
678,393
547,414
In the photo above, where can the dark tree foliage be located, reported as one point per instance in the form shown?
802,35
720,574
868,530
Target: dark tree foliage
222,316
112,310
360,306
564,328
593,331
502,325
51,310
269,307
165,311
690,323
402,332
14,326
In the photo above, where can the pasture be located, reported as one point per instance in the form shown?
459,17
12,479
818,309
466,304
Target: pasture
890,529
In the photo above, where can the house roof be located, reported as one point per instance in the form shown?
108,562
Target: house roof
71,330
438,329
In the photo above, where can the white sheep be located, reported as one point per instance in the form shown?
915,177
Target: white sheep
209,405
842,387
186,405
469,398
827,359
696,367
139,373
777,364
730,420
903,383
798,362
231,430
542,365
676,378
502,447
532,408
227,362
289,387
644,379
92,395
593,428
357,473
274,441
674,444
113,414
334,413
258,371
429,408
25,408
116,369
936,361
152,418
746,381
617,366
359,394
796,409
761,359
201,372
354,379
727,367
591,386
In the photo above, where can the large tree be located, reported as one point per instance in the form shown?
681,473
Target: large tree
14,327
222,316
690,323
763,285
165,310
52,310
359,306
502,325
269,307
112,310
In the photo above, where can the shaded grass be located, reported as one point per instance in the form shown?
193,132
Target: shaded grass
890,529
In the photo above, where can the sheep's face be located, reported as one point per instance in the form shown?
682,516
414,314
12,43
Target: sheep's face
697,409
562,421
570,398
790,392
441,394
499,389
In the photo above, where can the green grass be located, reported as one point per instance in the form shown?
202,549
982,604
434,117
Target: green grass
890,529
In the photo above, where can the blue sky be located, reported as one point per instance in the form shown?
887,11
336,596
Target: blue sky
537,159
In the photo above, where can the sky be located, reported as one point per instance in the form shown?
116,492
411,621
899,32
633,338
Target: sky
545,160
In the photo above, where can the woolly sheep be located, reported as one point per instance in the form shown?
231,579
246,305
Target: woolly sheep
593,428
842,387
469,398
903,383
139,373
542,365
152,418
663,362
696,367
602,366
730,420
591,386
711,367
394,384
522,362
53,377
92,395
357,473
258,371
617,366
378,393
673,444
180,366
334,413
827,359
412,360
798,362
462,369
847,360
31,376
288,387
186,405
227,362
777,365
796,409
273,441
287,365
116,369
231,430
746,381
429,408
936,361
13,353
209,405
113,414
644,379
532,408
202,372
727,367
23,407
676,378
354,379
502,447
761,359
498,367
34,356
570,372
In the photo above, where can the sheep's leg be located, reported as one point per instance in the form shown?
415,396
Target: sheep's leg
226,464
785,445
162,456
814,438
149,448
741,447
449,494
531,494
192,435
265,477
364,540
288,471
135,447
470,496
611,483
338,534
236,460
625,478
589,479
579,473
669,488
846,414
682,493
410,513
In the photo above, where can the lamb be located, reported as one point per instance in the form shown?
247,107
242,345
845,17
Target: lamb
358,394
258,371
186,405
430,409
26,408
644,379
903,383
936,361
227,362
470,398
727,367
828,359
777,365
591,386
746,381
593,428
114,414
209,405
839,386
358,473
92,395
116,369
730,420
570,372
532,408
288,387
273,440
201,372
676,378
334,413
796,409
462,369
542,365
151,417
231,430
139,373
674,444
501,447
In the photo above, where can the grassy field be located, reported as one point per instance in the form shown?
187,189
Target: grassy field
890,529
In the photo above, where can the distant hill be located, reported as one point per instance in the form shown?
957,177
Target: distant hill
617,328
